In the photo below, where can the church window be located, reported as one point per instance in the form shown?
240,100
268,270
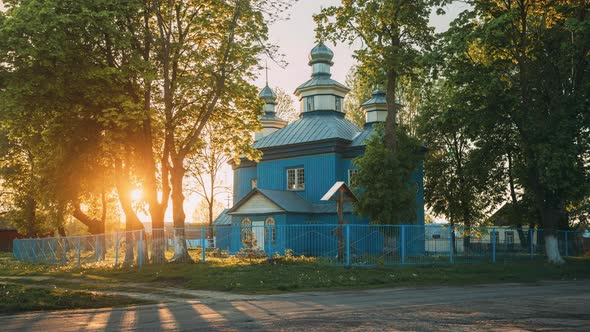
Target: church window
309,104
295,179
270,226
339,104
246,231
509,237
352,174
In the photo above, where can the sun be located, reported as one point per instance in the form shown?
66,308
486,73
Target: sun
136,194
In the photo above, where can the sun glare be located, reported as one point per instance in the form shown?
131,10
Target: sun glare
136,195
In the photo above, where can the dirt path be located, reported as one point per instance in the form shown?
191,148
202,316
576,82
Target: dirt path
541,306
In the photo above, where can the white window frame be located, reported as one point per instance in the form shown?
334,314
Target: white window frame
298,176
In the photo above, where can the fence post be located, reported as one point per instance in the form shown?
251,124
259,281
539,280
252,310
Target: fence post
451,244
64,259
116,248
95,248
347,244
79,245
15,249
270,234
494,245
403,244
140,254
565,242
203,250
531,245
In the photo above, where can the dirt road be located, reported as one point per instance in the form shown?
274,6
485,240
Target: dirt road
541,306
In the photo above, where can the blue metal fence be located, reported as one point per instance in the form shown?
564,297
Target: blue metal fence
347,245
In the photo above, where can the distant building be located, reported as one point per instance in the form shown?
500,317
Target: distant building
301,161
7,234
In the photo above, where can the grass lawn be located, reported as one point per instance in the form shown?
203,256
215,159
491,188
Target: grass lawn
19,298
296,274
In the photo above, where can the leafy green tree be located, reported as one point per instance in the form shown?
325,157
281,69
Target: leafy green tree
393,35
461,182
64,66
381,173
531,59
206,54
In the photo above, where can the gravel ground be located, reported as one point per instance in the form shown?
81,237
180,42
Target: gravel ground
547,306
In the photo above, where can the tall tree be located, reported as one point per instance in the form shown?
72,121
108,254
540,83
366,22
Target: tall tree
393,34
537,51
462,181
212,154
206,52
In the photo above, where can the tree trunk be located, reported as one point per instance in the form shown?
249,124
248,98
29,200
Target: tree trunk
61,231
93,224
132,223
210,229
180,248
156,208
31,215
103,221
550,221
552,249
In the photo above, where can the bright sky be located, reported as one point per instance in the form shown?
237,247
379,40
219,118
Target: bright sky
296,37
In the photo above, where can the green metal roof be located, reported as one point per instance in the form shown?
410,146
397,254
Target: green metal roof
321,80
222,219
312,127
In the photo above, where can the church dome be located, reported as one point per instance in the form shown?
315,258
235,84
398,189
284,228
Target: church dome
321,54
267,95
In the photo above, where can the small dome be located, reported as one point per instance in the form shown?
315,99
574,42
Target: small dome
378,98
321,53
267,95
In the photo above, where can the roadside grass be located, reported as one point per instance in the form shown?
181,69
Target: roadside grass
20,298
300,274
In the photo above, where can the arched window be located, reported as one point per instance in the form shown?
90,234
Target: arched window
270,226
246,230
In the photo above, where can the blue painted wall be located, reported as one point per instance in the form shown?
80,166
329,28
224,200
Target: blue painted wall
320,174
243,181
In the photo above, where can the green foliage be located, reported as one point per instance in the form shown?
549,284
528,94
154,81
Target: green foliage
529,92
303,273
18,298
463,180
387,192
393,35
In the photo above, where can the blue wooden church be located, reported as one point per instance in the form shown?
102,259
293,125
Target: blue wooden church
300,162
